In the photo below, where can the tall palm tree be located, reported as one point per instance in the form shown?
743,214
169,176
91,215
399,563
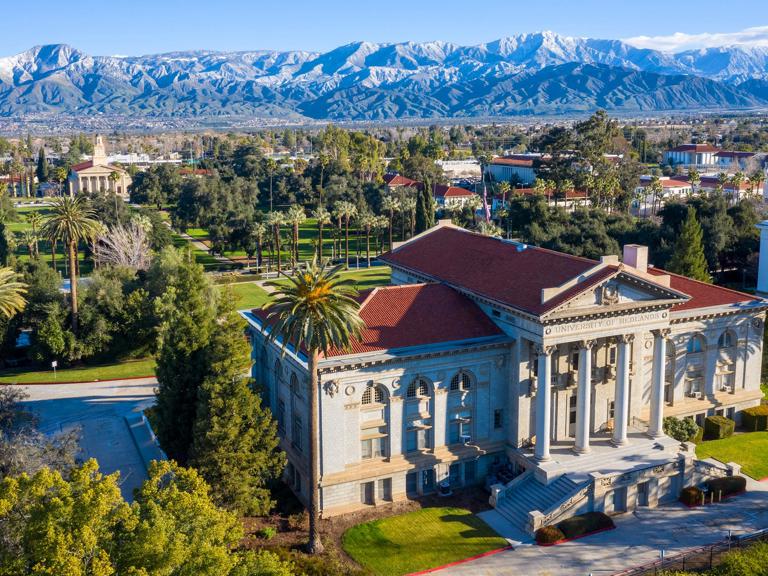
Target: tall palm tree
29,237
408,209
656,188
347,211
694,178
316,311
367,220
72,221
35,221
736,181
323,217
540,186
504,188
295,217
474,203
390,205
61,175
258,232
275,220
12,292
754,181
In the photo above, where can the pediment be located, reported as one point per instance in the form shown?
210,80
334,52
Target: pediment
620,291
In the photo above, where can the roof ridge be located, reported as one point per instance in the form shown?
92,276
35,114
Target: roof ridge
731,290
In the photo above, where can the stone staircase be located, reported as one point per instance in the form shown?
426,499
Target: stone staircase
529,494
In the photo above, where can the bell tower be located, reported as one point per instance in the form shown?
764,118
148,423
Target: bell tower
99,152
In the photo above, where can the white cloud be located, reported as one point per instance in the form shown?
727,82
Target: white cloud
679,41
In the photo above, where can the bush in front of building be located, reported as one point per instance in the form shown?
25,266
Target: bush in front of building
755,419
585,524
691,496
727,485
718,427
682,430
549,535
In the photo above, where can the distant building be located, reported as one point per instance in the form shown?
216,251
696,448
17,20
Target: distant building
94,175
393,180
451,196
519,167
733,160
569,200
692,156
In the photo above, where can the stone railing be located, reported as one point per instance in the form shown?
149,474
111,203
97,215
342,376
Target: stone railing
710,469
500,491
537,519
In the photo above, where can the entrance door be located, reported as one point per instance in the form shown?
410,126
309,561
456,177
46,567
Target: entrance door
428,481
366,492
620,500
572,416
642,494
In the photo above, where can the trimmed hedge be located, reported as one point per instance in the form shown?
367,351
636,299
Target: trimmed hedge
549,535
691,496
728,484
585,524
755,419
718,427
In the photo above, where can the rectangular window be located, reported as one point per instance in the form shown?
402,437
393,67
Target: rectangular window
612,355
281,416
366,492
498,418
297,430
384,489
411,484
373,448
417,439
575,361
611,409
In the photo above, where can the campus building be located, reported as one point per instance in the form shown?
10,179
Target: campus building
543,375
96,174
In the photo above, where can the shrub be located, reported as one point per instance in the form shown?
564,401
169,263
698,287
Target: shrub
728,485
756,418
585,524
681,430
699,435
718,427
268,532
549,535
298,521
691,496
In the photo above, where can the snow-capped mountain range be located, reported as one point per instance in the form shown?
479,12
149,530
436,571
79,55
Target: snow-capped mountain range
539,73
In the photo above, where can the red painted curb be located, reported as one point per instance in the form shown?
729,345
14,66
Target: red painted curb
457,562
763,479
576,537
75,381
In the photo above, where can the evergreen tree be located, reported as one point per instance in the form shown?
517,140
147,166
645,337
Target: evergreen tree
688,256
186,311
235,445
429,204
421,211
42,166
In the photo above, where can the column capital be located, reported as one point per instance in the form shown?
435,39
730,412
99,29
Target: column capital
625,338
586,344
541,349
661,332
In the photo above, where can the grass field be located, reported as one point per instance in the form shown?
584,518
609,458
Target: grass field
128,369
419,540
248,295
749,449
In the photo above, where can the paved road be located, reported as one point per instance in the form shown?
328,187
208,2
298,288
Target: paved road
99,409
636,540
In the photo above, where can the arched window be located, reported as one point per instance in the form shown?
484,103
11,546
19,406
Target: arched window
418,388
726,340
373,395
695,345
295,384
461,381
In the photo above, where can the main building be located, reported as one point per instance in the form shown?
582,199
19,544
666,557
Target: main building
544,375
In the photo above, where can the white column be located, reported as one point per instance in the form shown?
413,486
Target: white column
584,398
656,425
543,402
621,405
396,408
440,417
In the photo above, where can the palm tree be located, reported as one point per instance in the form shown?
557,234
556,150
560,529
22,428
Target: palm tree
754,181
367,220
71,221
390,204
408,209
380,223
694,178
316,311
61,175
347,211
12,292
295,217
35,221
474,203
275,220
323,217
540,186
488,229
656,188
258,232
29,237
504,188
736,181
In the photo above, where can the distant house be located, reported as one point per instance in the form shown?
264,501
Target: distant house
673,188
17,186
734,160
451,196
692,156
519,167
94,175
393,180
571,200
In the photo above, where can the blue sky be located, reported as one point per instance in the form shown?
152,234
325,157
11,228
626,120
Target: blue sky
134,27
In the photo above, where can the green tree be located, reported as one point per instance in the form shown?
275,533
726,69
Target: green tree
323,217
186,310
42,171
688,256
12,292
316,310
72,221
422,218
235,445
295,216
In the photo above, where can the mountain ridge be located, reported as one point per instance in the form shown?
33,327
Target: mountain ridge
376,81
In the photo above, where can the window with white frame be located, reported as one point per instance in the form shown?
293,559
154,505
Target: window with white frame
695,345
694,381
373,423
418,436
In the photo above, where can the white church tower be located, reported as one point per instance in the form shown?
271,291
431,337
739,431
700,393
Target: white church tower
99,152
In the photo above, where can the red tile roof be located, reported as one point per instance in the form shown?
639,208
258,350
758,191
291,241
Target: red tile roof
667,183
702,295
415,315
443,191
570,194
394,180
524,162
501,271
82,166
694,148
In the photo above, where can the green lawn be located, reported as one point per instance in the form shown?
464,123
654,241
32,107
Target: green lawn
248,295
419,540
128,369
749,449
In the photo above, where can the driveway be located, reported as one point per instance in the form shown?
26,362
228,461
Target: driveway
99,410
637,539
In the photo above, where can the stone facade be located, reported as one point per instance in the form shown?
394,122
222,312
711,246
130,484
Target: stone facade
96,175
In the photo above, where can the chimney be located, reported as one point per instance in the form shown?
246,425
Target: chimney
636,256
